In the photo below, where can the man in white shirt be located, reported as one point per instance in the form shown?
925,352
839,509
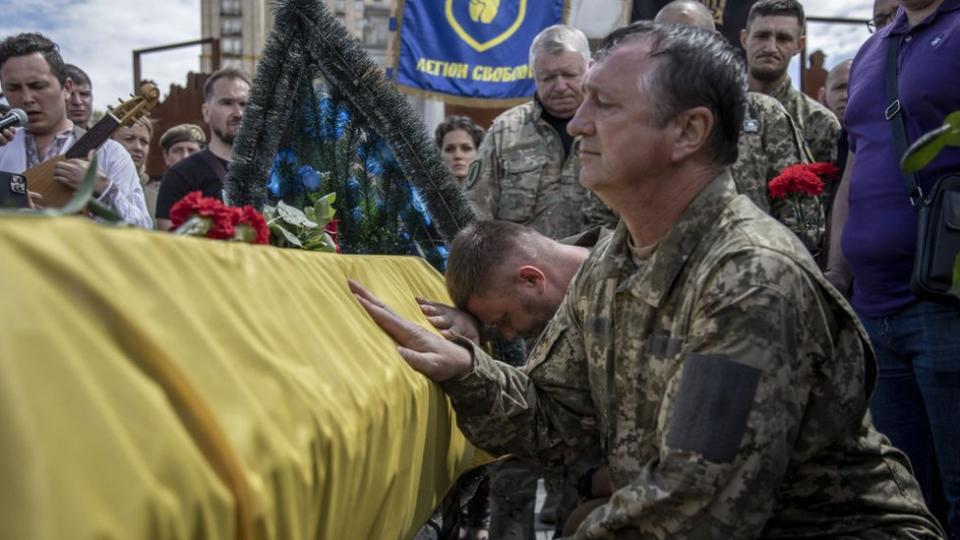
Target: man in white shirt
34,79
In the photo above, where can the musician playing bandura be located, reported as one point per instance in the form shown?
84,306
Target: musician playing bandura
34,79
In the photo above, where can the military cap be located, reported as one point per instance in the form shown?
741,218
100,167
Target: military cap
182,133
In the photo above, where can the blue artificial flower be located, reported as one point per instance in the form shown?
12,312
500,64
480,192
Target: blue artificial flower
353,185
356,214
284,165
386,155
342,121
370,154
310,178
319,121
419,205
274,185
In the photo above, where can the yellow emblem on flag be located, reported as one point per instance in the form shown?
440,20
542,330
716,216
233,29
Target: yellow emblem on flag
484,11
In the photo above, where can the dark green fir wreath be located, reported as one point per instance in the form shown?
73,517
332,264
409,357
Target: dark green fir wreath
323,119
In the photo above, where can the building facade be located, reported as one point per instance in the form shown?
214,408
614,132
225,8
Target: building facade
243,27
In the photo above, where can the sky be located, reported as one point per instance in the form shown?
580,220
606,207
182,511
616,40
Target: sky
100,36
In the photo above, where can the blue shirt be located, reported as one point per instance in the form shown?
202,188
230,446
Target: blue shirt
879,237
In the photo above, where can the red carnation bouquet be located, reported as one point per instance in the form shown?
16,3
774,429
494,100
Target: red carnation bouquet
800,187
196,215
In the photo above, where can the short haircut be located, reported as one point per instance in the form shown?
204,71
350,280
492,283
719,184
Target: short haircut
696,68
702,15
478,253
455,122
30,43
77,75
775,8
225,73
558,39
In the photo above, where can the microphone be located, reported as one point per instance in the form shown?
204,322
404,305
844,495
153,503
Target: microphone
16,117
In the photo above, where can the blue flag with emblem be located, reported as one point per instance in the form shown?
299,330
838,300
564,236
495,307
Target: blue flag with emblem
470,52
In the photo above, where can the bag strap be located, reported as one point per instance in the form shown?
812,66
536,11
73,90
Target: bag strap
894,114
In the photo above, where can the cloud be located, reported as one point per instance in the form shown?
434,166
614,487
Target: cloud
839,41
100,36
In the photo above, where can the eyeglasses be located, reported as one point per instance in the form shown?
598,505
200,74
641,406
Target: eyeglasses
880,21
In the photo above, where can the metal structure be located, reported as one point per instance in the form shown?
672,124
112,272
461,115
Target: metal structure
137,53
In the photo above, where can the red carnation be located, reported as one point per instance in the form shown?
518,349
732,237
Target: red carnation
795,180
218,218
213,219
827,172
185,208
249,217
331,229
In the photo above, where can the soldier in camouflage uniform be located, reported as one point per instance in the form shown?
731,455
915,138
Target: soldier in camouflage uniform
769,142
699,348
526,169
526,172
773,35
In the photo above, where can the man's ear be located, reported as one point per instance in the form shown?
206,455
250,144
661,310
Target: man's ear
67,88
691,131
531,276
743,38
801,43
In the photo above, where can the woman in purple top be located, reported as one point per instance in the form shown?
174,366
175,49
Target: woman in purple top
917,343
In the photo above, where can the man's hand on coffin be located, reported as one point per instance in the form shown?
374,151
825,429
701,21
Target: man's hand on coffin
426,352
450,321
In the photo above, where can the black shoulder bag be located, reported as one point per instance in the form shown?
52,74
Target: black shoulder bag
938,212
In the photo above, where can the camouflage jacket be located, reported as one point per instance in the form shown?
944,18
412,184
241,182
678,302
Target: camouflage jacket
770,142
724,381
519,175
819,126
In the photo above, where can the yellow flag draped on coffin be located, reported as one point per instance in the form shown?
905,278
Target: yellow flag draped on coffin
154,386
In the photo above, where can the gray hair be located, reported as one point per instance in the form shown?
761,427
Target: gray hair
696,68
558,39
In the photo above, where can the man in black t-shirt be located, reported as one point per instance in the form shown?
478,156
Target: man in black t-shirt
224,100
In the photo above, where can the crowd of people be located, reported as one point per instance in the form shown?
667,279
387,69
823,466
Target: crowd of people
699,364
58,101
511,272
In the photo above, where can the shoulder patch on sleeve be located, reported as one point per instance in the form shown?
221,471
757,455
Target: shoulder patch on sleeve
472,174
712,405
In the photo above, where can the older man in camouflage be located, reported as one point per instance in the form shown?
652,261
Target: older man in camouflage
769,142
526,171
699,347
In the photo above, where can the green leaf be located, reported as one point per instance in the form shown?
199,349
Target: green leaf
294,216
927,147
324,210
288,236
104,212
953,120
195,226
